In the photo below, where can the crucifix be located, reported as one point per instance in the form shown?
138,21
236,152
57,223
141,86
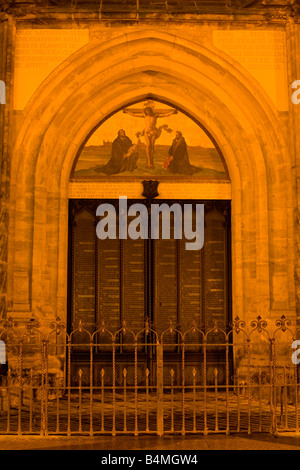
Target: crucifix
151,132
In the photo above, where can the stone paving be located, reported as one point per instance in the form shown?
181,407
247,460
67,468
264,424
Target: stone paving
179,444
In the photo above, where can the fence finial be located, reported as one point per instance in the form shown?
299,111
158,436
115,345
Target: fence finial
283,323
259,324
237,325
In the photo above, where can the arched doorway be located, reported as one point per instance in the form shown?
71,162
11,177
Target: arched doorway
192,79
158,281
214,90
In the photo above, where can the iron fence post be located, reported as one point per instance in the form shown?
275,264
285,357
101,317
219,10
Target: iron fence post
46,356
43,421
160,389
296,395
91,433
273,386
249,383
20,381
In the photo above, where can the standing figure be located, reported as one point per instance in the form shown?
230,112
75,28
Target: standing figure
151,132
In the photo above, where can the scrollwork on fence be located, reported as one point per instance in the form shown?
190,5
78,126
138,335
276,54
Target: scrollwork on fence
14,332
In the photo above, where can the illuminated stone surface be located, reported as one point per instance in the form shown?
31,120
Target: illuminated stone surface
119,56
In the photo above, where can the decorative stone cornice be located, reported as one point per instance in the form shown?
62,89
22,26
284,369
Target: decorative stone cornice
130,9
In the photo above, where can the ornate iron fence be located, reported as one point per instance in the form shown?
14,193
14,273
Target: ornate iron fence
56,383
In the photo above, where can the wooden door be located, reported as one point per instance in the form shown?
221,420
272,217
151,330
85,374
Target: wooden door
113,281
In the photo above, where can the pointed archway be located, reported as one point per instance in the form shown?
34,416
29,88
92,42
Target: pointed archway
212,89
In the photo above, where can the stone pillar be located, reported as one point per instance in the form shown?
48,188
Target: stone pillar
6,51
293,54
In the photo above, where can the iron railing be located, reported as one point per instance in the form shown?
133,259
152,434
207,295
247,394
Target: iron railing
217,381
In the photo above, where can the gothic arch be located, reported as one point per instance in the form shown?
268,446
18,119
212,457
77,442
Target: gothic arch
210,87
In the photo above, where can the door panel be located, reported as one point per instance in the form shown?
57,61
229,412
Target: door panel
133,283
166,288
108,287
158,280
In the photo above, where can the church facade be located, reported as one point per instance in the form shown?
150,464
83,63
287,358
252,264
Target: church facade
208,89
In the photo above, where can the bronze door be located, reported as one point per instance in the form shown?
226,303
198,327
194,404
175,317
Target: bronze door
117,281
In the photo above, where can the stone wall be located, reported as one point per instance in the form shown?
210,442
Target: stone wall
293,42
6,41
180,63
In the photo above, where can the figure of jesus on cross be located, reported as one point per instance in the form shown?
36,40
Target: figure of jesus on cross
151,132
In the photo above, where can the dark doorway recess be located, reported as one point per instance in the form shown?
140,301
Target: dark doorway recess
157,281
